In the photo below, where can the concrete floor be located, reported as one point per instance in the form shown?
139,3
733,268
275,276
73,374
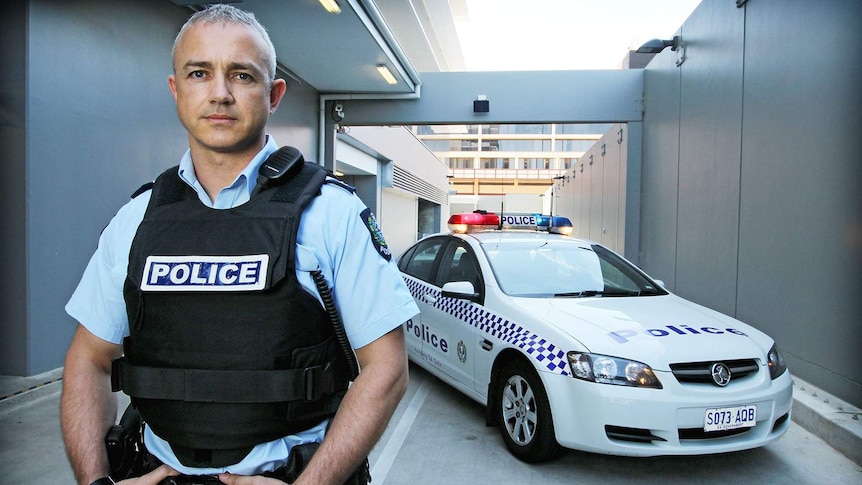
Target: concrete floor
438,436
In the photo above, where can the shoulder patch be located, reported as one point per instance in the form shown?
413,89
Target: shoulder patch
376,235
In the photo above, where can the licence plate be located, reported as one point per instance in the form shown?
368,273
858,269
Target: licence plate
720,419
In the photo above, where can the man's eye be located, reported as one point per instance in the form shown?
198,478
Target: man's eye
244,76
197,74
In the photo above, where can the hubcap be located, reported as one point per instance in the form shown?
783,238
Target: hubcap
519,410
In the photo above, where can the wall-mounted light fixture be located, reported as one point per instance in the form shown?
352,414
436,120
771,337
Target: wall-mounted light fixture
386,74
331,6
481,104
655,46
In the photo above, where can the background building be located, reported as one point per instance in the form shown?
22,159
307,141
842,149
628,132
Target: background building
488,162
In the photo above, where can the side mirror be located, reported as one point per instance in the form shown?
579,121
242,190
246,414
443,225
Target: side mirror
463,290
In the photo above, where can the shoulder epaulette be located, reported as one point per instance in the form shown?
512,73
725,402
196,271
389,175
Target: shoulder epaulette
143,188
339,183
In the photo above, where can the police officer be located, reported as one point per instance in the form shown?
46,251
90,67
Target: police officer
225,90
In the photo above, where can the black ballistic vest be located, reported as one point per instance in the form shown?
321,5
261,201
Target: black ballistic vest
226,349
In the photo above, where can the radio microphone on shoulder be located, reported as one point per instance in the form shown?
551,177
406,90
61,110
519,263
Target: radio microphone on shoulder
280,166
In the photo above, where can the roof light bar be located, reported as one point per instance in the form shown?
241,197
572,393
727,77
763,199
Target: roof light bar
561,225
463,223
483,221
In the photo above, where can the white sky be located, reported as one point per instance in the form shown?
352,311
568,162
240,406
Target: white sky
520,35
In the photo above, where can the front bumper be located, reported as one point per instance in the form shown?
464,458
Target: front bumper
630,421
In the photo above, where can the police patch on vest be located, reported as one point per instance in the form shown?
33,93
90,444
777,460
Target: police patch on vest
205,273
376,235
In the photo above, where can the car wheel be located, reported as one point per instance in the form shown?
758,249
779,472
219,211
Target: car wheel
525,414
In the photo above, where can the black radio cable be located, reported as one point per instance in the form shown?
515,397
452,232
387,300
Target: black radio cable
337,324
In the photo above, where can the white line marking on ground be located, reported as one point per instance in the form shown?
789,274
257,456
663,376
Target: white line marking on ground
393,445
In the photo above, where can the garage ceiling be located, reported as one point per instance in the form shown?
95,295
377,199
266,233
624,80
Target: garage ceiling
339,53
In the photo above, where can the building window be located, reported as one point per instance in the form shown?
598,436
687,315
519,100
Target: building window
536,163
465,145
497,163
490,145
427,130
567,163
527,129
583,129
440,145
574,145
460,162
524,145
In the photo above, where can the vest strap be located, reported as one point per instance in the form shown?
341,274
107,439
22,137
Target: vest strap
223,386
304,186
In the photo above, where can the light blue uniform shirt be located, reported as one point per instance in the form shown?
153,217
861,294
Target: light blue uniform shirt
368,290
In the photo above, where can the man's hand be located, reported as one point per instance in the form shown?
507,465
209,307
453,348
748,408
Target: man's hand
231,479
153,478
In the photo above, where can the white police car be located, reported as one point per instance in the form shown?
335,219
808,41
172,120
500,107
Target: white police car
569,345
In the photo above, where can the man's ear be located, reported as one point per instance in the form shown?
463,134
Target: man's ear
276,92
172,83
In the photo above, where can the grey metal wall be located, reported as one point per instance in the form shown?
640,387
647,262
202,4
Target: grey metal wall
751,198
593,193
13,38
98,121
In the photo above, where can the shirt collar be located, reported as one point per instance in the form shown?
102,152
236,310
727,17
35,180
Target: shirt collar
239,191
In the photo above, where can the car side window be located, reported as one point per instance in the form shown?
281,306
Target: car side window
459,264
405,258
420,264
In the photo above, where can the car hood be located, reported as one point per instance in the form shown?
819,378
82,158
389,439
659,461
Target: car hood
656,330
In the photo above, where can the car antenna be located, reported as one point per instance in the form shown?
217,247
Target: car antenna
502,200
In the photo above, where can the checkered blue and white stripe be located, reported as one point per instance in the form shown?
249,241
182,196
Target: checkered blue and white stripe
544,352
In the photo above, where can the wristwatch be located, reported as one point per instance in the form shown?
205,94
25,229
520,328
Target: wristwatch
103,481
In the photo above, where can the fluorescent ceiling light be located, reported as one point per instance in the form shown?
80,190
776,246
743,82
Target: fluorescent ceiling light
331,6
386,73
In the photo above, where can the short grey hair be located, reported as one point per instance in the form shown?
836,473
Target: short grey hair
221,13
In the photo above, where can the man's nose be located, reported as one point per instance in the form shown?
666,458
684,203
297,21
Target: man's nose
220,90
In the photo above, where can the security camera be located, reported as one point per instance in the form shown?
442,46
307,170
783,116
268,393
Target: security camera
337,112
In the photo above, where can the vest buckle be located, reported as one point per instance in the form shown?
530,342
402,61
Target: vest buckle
117,374
318,381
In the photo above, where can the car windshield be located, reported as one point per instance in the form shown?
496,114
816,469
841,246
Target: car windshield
564,269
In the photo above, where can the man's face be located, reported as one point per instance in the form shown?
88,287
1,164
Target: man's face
221,87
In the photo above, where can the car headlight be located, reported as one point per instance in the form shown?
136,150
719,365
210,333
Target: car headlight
776,363
604,369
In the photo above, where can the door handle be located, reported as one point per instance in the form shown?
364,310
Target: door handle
430,298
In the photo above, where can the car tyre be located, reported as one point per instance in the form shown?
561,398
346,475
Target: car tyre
524,414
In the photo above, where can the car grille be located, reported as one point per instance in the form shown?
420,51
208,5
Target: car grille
700,434
701,372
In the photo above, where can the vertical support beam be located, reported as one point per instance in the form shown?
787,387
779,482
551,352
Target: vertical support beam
330,141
